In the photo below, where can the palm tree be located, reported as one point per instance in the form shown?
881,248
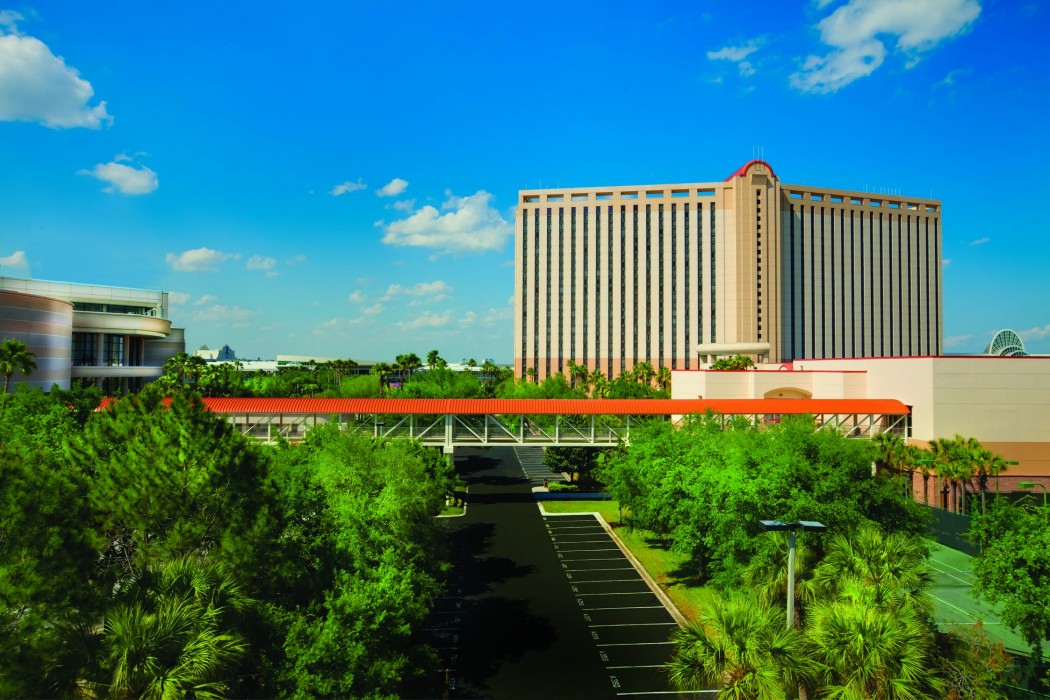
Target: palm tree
887,566
644,373
15,357
890,450
873,653
169,634
600,384
433,359
873,627
955,461
988,464
663,379
917,458
383,371
578,373
176,366
742,648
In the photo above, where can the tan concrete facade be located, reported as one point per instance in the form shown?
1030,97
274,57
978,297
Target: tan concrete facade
610,277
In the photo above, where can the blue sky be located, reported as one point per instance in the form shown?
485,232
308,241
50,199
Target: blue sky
339,178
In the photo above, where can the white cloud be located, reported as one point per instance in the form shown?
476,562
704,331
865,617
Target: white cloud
980,241
220,313
357,297
16,259
851,32
469,224
373,310
468,319
199,260
206,299
296,260
405,205
437,290
37,86
427,319
737,55
392,188
1037,333
946,262
126,179
734,53
258,262
954,340
178,298
347,186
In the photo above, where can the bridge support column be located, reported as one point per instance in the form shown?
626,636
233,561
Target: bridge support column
449,452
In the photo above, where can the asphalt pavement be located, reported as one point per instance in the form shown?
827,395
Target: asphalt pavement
542,606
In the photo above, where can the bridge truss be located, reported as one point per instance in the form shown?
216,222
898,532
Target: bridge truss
451,423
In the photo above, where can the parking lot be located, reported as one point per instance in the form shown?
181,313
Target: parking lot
628,625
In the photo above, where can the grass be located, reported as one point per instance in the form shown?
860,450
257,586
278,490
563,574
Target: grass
652,551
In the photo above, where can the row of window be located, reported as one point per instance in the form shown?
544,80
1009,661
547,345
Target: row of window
545,348
862,285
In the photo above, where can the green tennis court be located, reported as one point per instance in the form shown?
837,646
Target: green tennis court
955,604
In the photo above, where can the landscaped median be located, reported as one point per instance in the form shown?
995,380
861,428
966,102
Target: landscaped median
663,565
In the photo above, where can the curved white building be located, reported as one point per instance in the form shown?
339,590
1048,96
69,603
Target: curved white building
114,337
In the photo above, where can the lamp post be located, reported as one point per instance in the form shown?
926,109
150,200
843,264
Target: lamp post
1007,463
808,526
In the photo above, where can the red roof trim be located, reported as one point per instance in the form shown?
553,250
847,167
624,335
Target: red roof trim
586,407
742,170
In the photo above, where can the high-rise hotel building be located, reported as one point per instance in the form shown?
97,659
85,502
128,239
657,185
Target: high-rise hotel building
612,276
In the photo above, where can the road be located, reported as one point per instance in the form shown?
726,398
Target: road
543,606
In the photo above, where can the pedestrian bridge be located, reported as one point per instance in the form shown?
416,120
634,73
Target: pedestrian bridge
451,423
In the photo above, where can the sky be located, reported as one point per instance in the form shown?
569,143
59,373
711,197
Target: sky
339,179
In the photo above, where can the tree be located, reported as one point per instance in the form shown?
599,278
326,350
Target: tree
574,461
171,633
578,373
15,357
872,620
954,459
1014,566
697,485
408,364
643,372
742,648
171,480
359,566
890,451
737,362
433,359
987,464
47,558
599,384
873,652
383,371
663,379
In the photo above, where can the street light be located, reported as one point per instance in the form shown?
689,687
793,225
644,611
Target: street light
808,526
1007,463
1032,485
